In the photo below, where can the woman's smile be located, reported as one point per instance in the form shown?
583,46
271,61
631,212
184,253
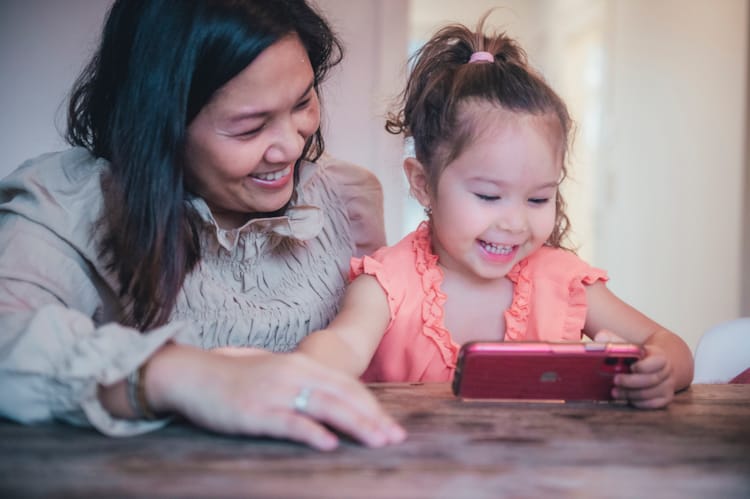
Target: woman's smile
274,179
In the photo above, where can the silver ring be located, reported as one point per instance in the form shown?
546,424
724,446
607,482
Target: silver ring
302,399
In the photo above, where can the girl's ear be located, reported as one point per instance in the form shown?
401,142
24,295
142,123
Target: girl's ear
418,183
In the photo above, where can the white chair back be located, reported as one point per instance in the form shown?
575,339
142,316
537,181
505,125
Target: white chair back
723,352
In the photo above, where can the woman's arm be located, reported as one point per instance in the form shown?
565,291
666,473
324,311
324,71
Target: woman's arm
53,357
668,364
55,363
350,340
254,394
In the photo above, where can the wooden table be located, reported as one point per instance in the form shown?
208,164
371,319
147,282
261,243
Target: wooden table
699,447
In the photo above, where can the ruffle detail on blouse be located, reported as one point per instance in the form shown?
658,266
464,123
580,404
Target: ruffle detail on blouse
517,315
369,266
302,223
555,280
578,305
432,307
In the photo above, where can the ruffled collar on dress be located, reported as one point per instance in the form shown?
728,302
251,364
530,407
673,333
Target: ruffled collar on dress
516,315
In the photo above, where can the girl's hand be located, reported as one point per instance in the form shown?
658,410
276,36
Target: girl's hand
251,392
651,382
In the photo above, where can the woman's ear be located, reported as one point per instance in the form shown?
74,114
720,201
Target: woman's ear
419,185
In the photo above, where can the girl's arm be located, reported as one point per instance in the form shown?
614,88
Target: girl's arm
350,340
668,364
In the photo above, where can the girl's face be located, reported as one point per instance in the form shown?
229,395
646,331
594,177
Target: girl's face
242,146
495,203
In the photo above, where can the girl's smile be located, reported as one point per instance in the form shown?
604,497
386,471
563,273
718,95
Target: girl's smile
498,253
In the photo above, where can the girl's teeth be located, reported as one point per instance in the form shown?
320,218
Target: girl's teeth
270,177
496,248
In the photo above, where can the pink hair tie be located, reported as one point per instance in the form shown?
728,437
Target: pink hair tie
481,57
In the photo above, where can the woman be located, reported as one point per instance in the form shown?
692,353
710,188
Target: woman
189,218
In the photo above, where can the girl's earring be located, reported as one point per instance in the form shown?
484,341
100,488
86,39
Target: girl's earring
428,212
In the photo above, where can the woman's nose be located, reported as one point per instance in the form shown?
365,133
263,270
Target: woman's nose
287,143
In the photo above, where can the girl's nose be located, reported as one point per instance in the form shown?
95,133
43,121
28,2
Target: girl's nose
288,142
512,219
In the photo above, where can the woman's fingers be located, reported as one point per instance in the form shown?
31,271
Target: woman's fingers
293,426
345,404
371,427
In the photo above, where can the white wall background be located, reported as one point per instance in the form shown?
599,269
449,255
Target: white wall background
662,185
43,46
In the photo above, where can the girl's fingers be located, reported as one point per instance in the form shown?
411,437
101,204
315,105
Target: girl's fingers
638,381
607,336
645,391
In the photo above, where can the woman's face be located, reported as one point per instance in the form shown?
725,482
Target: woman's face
242,146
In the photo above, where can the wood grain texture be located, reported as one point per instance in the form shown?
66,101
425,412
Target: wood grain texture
698,447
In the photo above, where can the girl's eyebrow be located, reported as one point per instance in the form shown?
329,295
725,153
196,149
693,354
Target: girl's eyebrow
248,115
546,185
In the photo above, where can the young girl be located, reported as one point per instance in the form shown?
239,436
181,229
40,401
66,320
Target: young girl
490,138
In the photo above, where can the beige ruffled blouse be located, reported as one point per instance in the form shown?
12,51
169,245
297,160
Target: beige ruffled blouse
266,284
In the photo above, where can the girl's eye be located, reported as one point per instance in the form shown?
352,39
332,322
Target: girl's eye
538,200
484,197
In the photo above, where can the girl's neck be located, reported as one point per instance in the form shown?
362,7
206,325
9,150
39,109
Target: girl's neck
474,310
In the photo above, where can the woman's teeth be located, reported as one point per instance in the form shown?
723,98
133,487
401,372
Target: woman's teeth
496,249
270,177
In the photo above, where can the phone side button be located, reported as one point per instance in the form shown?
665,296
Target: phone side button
595,347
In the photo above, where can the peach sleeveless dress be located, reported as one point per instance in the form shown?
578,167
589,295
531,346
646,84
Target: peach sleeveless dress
549,304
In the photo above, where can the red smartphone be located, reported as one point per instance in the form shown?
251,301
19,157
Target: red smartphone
540,370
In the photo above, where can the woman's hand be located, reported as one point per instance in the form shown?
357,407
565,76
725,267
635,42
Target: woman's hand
651,382
252,392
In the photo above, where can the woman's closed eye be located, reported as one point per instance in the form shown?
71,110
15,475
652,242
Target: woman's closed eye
304,103
250,133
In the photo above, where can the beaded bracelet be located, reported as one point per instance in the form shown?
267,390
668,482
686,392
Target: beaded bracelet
137,394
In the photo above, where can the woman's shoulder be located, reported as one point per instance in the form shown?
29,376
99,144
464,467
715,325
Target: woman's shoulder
346,174
357,190
349,181
60,191
53,174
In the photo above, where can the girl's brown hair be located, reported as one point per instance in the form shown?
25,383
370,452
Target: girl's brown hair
442,79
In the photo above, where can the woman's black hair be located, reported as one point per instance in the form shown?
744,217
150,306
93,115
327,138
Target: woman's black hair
159,62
